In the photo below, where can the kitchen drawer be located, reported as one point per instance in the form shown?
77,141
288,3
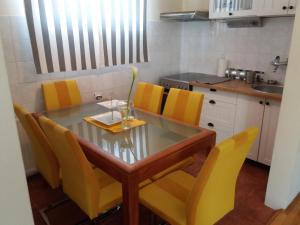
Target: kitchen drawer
219,111
223,132
224,96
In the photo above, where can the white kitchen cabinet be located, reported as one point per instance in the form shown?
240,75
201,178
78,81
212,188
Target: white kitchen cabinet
222,9
218,112
249,113
229,113
222,112
268,131
292,7
277,7
263,114
223,132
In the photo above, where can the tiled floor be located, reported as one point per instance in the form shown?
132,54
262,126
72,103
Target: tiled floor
249,207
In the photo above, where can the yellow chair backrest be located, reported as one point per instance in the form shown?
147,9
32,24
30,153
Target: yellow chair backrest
148,97
61,94
45,159
184,106
78,178
213,193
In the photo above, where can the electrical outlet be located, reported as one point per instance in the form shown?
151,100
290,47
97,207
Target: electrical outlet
98,96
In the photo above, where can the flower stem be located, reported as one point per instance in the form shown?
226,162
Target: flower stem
130,90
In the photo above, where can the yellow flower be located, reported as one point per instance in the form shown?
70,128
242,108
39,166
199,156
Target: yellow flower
134,75
134,72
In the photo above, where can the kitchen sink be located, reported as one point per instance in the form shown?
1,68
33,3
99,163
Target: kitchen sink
269,88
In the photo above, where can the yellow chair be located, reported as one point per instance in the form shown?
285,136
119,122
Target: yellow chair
61,94
184,106
182,199
45,159
91,189
148,97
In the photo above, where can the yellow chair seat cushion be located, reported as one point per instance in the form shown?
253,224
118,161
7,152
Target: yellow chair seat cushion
167,197
184,163
111,190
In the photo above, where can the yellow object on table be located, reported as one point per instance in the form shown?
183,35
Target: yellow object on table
116,128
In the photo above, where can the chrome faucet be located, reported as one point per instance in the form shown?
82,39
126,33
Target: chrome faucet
277,63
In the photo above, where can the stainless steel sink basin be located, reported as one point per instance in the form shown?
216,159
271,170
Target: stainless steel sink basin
269,89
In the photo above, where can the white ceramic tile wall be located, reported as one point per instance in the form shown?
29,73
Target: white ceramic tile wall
25,83
249,48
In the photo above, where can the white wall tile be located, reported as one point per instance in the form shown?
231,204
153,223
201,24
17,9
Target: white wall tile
23,52
203,43
5,27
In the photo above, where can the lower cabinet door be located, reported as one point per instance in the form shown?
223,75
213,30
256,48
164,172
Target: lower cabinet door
223,132
268,132
249,113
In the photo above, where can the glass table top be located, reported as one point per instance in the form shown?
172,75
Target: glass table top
131,145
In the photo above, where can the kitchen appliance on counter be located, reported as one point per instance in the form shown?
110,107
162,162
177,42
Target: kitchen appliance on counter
182,81
249,76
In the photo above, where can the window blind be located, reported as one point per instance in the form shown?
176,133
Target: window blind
72,35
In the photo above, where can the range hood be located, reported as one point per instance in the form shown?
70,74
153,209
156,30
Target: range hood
244,22
185,16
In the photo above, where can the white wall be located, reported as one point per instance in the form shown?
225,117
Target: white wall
14,200
11,8
284,179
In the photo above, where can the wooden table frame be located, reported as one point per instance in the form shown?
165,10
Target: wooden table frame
130,175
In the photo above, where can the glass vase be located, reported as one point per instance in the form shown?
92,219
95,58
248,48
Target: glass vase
126,111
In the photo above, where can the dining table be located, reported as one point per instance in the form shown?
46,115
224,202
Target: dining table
134,155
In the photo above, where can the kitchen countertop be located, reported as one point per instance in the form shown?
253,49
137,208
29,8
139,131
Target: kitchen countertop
238,86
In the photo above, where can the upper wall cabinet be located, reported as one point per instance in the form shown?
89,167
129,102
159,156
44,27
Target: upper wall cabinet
277,7
224,9
221,9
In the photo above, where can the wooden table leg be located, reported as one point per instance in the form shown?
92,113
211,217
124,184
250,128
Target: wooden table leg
130,202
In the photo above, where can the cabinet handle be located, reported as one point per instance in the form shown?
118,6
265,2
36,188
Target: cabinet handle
291,7
267,103
213,90
284,7
212,102
261,102
210,125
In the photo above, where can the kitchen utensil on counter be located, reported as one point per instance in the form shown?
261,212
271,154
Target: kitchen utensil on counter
233,74
222,66
227,72
250,76
259,76
241,74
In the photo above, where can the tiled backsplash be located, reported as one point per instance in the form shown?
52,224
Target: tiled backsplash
248,48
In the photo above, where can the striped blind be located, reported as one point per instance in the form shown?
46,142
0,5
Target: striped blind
72,35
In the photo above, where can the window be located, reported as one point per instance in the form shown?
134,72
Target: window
70,35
